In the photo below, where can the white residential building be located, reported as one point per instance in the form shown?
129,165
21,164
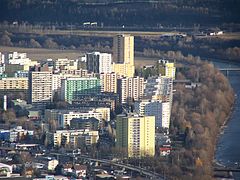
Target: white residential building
70,137
161,111
130,88
99,62
18,58
101,114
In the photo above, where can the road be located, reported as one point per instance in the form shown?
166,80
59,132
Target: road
147,173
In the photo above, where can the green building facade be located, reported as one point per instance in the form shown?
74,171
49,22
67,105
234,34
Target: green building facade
71,88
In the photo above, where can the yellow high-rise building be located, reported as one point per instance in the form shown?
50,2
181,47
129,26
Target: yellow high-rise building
123,55
136,135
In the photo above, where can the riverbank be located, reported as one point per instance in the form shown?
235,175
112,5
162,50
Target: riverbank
227,150
221,132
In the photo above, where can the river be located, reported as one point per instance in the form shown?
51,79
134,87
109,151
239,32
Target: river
228,147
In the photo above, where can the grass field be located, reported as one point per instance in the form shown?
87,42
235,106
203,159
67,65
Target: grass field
99,33
41,53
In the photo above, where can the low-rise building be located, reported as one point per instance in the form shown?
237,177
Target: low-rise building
5,169
64,118
77,169
14,134
14,83
72,138
65,64
79,123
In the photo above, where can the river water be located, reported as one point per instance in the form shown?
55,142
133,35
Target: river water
228,147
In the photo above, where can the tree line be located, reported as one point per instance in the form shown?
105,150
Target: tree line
117,13
198,112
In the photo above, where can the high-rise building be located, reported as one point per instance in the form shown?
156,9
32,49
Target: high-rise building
99,62
40,87
130,88
123,49
159,88
123,55
72,87
108,82
161,111
57,79
135,135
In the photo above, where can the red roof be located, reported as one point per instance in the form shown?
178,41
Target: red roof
165,148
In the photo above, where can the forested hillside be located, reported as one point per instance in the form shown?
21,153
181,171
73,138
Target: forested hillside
159,13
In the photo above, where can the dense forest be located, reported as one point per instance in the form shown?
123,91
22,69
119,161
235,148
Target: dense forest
126,12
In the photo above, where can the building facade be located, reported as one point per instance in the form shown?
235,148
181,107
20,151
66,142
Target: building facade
14,83
108,82
64,118
123,49
161,111
125,70
123,55
66,64
135,135
159,88
40,87
72,87
72,138
99,62
130,89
